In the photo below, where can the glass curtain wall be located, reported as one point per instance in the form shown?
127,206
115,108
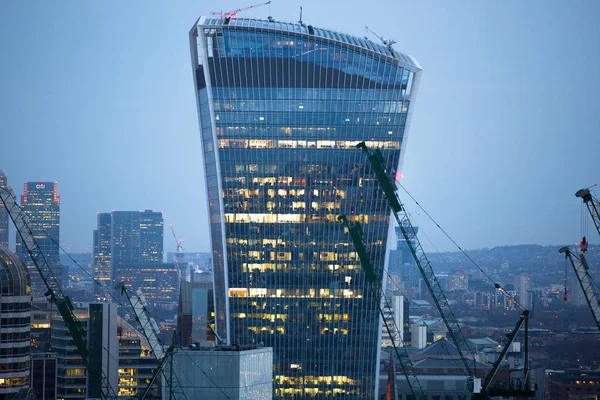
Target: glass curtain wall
280,114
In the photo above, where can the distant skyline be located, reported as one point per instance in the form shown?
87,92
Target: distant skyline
98,96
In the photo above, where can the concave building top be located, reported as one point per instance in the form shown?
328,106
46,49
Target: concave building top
363,43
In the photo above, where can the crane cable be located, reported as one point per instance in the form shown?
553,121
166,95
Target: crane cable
496,285
103,287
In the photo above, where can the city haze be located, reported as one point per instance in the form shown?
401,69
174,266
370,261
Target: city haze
99,97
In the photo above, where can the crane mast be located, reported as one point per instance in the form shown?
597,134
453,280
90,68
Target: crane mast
151,332
62,302
356,234
592,204
588,286
439,298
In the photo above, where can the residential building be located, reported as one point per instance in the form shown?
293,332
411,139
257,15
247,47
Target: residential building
15,308
521,287
41,203
281,108
3,215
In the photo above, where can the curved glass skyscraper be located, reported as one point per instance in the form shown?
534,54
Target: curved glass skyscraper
281,108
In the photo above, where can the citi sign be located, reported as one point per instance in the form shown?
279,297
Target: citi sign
40,185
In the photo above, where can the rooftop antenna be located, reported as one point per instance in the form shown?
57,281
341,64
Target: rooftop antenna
386,42
300,22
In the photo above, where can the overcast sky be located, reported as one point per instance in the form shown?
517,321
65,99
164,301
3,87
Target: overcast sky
99,96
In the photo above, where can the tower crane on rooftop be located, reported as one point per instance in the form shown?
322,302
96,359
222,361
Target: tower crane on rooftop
386,42
457,337
592,203
232,13
178,243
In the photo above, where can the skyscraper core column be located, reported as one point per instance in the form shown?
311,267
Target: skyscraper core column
281,107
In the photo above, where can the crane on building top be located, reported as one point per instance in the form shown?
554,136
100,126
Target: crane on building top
178,243
588,286
439,298
386,42
97,378
592,203
232,13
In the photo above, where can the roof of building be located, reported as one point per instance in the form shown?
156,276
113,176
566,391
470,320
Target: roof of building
442,348
14,278
446,364
310,30
484,342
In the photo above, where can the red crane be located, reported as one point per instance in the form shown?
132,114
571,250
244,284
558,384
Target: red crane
231,14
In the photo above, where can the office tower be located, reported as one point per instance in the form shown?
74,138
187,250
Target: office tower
3,215
15,308
136,238
99,321
137,363
281,107
195,312
41,203
102,253
43,375
151,236
41,312
458,281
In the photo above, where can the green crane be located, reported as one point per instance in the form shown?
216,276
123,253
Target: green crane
588,286
98,383
592,204
356,234
439,298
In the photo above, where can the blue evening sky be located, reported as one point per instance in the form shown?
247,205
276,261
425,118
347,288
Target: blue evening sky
98,95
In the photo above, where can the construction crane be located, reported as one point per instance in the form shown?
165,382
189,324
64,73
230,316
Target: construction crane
593,205
356,234
386,42
588,286
178,243
151,332
232,13
98,383
439,298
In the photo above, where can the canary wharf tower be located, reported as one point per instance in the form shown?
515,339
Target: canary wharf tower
281,108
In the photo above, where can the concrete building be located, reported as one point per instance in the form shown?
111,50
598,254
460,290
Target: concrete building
521,287
15,308
418,336
225,372
281,108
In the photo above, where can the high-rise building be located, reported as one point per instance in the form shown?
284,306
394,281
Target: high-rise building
102,252
99,321
151,236
128,247
521,287
281,108
195,312
15,308
43,375
3,215
41,203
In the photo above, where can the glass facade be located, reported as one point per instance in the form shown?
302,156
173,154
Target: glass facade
3,216
41,203
281,108
102,252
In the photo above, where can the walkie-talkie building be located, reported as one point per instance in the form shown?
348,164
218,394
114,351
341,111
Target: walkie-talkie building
281,108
